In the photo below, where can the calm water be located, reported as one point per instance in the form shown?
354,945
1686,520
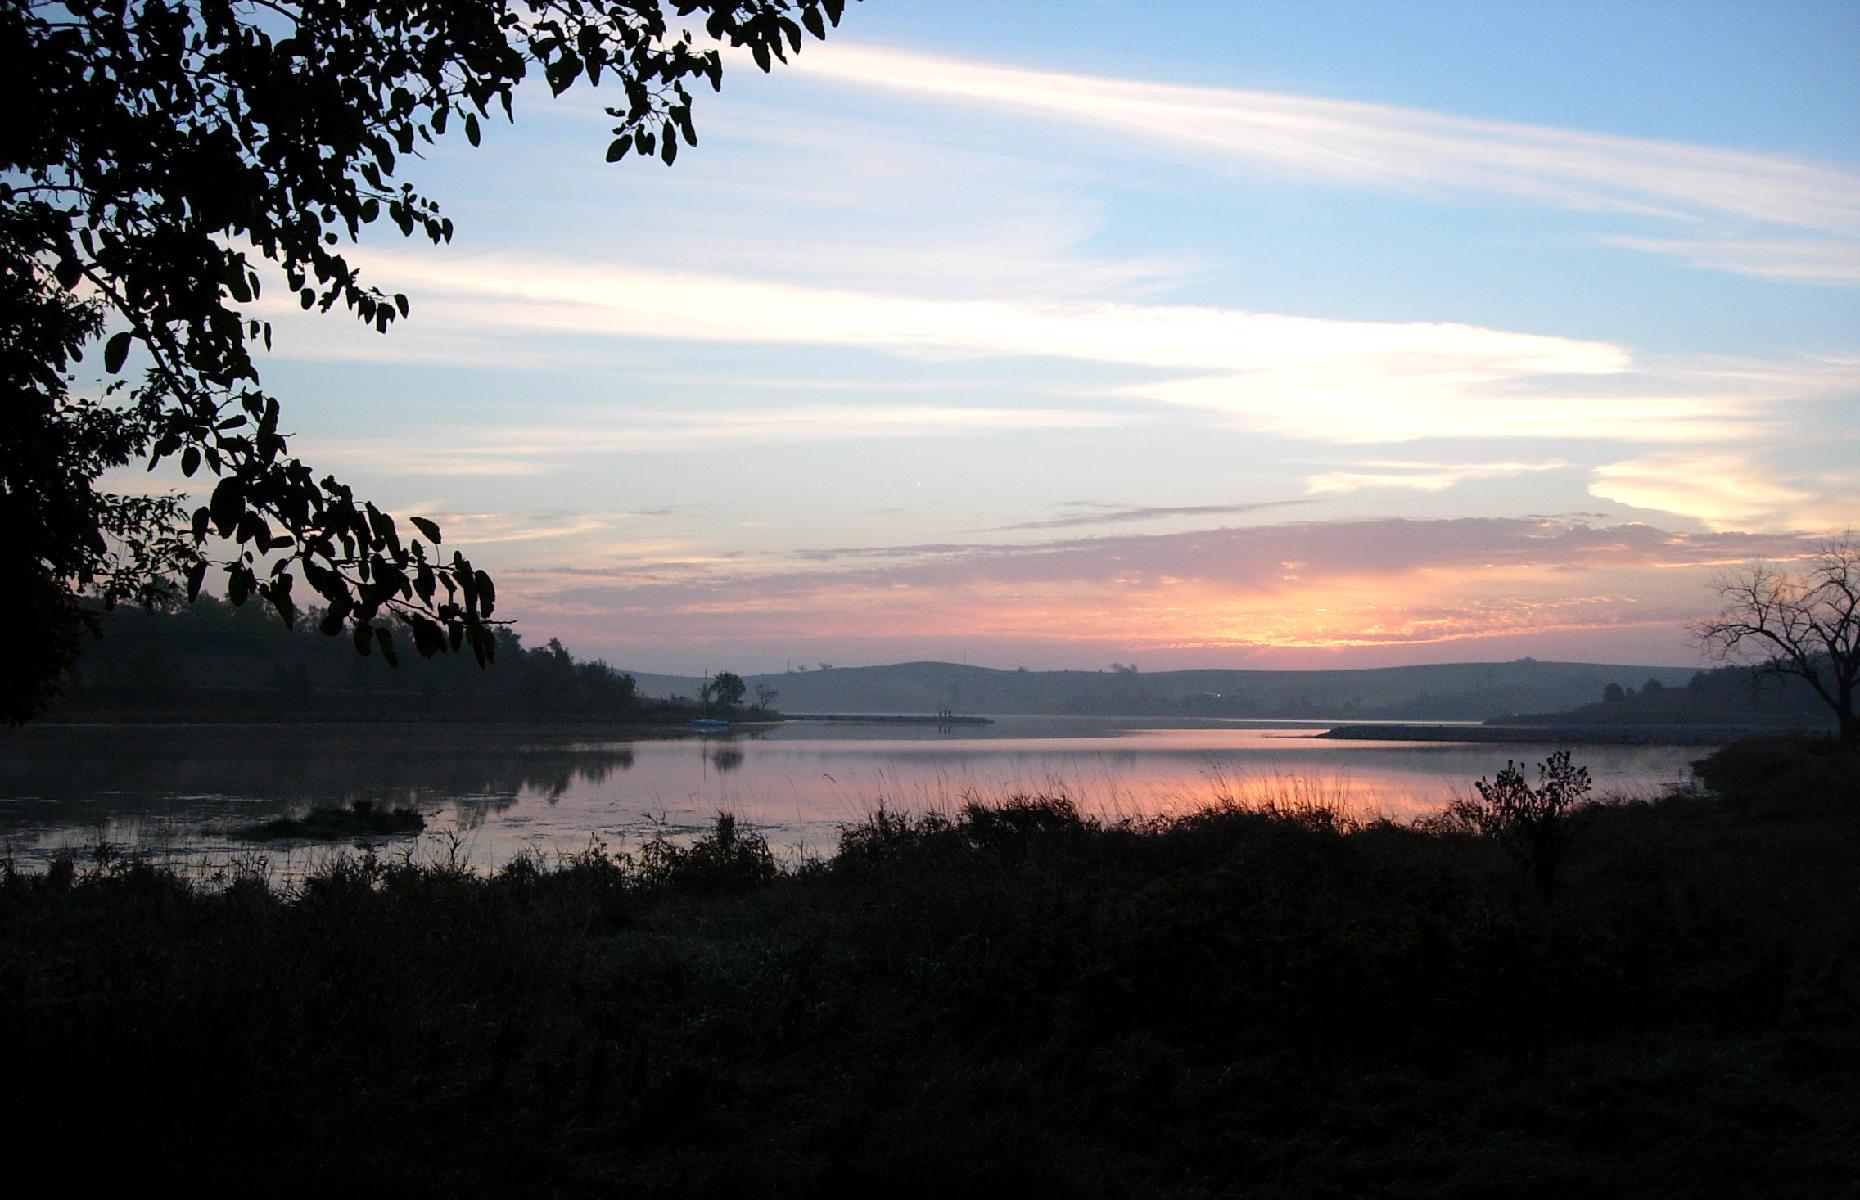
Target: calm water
175,793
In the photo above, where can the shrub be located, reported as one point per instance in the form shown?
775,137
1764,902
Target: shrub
885,837
725,859
1011,827
1534,824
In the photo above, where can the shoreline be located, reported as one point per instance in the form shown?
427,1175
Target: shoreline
1548,734
1163,1008
886,719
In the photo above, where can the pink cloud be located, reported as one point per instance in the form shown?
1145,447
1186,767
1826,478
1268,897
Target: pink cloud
1365,593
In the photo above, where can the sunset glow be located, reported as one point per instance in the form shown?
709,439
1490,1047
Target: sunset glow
1184,338
1366,593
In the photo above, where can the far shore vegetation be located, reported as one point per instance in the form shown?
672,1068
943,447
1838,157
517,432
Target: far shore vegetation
214,662
1530,995
361,819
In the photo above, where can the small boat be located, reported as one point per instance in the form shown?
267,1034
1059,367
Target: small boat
709,725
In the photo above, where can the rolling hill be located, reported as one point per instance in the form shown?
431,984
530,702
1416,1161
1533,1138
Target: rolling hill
1455,691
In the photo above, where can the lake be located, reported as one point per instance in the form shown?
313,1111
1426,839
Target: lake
175,794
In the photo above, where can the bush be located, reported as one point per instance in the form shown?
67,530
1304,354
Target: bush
726,859
1534,824
1790,772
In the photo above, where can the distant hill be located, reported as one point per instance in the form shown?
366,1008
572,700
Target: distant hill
1725,696
208,661
1455,691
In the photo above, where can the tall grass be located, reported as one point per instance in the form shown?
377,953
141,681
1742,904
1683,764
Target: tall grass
1265,994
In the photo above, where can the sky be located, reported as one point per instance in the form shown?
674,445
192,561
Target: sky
1053,334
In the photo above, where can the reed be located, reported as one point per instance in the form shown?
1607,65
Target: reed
1263,994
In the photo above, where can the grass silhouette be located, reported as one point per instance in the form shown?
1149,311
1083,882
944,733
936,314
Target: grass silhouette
1275,1000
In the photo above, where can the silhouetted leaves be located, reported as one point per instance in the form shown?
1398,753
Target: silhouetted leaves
115,351
162,150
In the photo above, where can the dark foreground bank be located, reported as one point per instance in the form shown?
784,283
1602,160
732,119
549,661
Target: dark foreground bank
1232,1002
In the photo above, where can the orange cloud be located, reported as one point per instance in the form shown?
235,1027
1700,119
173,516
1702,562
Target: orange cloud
1364,588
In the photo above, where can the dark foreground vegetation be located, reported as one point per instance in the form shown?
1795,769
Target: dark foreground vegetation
1273,1003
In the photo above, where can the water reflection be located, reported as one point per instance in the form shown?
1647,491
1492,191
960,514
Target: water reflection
179,792
166,787
111,768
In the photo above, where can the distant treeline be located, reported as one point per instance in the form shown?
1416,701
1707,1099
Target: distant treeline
1727,695
1446,691
212,661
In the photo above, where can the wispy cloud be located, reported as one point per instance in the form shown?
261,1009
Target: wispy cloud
1329,380
582,298
1254,555
1716,196
1728,491
1308,586
908,211
494,449
1336,381
1419,476
490,528
1112,514
1797,260
1414,398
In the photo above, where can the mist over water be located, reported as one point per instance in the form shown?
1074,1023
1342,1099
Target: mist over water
490,793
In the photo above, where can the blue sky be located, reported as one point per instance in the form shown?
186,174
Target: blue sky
1191,334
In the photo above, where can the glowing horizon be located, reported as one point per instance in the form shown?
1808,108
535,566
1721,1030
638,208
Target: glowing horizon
980,338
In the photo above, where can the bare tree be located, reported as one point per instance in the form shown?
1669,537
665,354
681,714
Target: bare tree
1804,624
